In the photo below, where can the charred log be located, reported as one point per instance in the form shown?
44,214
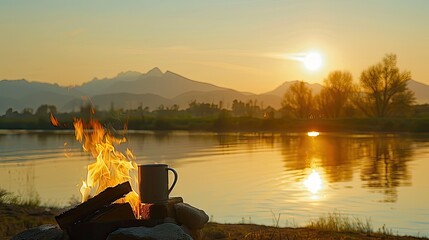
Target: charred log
83,210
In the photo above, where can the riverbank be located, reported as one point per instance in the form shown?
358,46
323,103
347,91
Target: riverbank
16,218
228,124
260,232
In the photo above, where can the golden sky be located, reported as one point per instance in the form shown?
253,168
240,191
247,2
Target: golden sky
234,44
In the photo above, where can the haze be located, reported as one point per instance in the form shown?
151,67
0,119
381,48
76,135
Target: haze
227,43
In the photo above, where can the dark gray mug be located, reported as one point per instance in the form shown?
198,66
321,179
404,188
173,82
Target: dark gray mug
153,182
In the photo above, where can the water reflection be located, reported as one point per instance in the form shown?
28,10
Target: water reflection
385,165
313,134
383,159
251,174
313,183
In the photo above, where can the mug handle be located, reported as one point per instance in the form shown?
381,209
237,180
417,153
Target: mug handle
175,179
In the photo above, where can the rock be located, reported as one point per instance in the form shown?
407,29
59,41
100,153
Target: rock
196,234
190,216
170,220
166,231
44,232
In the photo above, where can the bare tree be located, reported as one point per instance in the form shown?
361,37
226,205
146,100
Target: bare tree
384,89
298,99
334,96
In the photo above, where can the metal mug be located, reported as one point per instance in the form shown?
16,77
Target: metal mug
153,183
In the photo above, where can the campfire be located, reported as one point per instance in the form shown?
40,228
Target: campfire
111,166
110,205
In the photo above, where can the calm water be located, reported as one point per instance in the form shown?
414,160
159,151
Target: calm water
249,177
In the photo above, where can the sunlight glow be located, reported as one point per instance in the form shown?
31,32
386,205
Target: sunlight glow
313,134
313,183
312,61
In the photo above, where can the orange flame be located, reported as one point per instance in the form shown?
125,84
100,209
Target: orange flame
55,121
111,166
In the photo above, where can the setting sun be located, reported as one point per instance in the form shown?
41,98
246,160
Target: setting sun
278,118
312,61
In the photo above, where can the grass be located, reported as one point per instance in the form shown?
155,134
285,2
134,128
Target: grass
330,226
18,214
338,222
9,198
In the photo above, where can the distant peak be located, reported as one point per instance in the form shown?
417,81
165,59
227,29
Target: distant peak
173,74
17,80
156,72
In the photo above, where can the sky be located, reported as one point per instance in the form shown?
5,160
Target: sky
247,45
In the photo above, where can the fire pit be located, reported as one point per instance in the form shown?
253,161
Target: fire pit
111,209
98,217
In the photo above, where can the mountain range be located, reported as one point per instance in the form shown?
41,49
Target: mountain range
133,89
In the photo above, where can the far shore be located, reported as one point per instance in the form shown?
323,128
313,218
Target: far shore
239,124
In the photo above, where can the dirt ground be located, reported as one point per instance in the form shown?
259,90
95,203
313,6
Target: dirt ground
17,218
258,232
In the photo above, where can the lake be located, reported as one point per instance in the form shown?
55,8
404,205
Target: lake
248,177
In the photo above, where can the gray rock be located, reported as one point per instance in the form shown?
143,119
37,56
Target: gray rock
44,232
170,220
196,234
190,216
166,231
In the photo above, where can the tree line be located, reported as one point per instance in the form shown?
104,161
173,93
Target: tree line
382,92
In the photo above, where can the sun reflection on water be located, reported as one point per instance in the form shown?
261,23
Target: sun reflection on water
313,183
313,134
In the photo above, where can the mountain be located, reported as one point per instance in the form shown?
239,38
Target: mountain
17,89
20,94
421,91
119,100
98,86
6,103
280,90
133,89
166,84
34,100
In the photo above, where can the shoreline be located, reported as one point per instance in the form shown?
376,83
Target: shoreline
17,218
236,124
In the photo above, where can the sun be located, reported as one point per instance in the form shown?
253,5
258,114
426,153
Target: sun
312,61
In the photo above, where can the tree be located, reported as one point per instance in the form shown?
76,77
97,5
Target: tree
9,111
238,108
203,109
334,96
298,99
27,112
384,89
44,109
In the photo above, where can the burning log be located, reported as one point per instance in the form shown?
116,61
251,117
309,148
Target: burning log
160,210
83,210
113,212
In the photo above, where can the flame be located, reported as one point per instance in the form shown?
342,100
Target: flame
111,166
55,121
